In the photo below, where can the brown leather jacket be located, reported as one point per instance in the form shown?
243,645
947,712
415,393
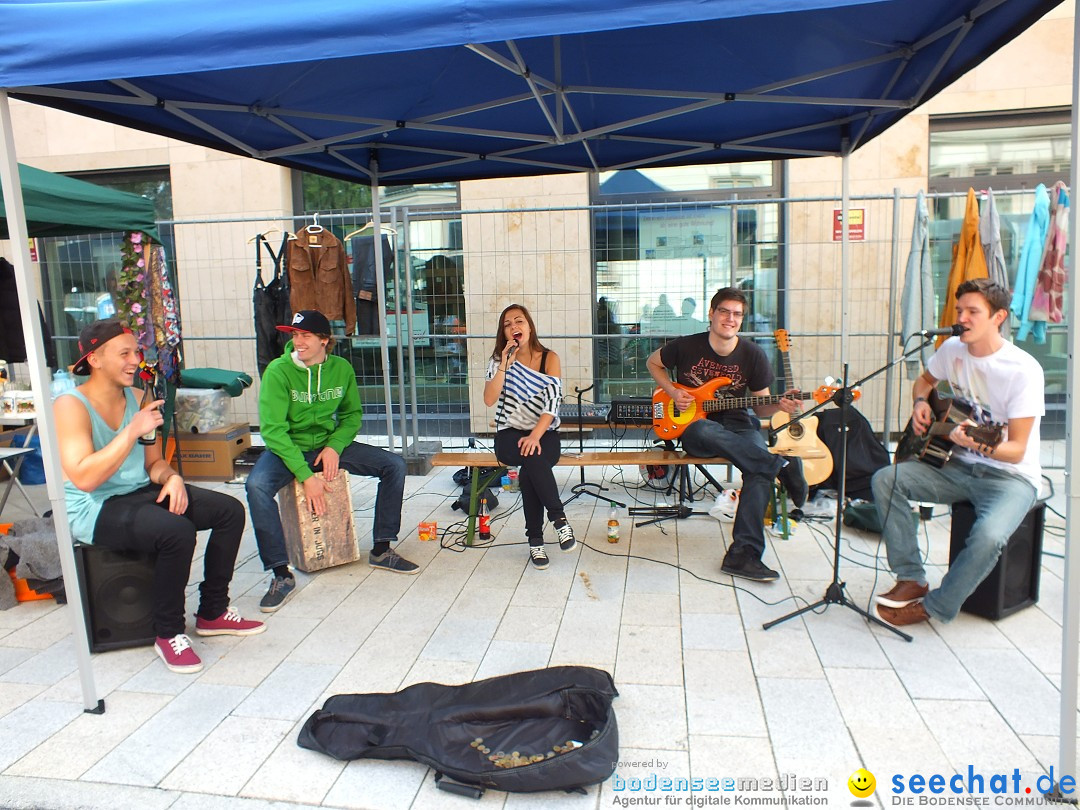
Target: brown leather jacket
319,277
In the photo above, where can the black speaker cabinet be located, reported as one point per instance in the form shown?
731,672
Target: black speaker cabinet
1014,582
117,596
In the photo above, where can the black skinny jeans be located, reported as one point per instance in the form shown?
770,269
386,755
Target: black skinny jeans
536,480
135,522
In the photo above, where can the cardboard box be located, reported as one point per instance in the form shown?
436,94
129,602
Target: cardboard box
317,542
209,456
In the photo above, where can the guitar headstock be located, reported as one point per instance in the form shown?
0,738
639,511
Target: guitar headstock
783,342
988,436
824,393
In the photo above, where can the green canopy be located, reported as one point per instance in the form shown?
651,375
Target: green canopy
63,206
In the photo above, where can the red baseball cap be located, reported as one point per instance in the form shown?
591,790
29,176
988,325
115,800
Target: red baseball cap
93,337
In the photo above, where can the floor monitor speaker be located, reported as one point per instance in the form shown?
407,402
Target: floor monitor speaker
117,596
1014,582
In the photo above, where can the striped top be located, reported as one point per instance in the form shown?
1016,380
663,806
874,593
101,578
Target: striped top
525,397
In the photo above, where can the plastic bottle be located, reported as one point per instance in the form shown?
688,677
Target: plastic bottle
61,383
613,525
512,474
485,520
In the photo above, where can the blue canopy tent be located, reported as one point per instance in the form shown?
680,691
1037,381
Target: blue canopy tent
422,91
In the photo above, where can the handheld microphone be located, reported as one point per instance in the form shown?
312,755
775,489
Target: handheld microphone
955,329
514,347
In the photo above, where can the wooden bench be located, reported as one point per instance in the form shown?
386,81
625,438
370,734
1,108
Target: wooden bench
474,460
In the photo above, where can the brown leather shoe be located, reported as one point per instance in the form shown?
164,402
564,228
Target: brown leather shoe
908,614
904,592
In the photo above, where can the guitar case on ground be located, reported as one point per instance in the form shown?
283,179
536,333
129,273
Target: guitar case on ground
547,729
865,454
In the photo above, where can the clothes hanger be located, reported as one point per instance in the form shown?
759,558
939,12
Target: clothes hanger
292,236
314,227
370,224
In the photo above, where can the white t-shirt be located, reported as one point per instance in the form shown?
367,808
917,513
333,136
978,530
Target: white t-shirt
1007,384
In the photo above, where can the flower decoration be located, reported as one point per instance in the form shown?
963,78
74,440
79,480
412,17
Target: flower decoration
132,293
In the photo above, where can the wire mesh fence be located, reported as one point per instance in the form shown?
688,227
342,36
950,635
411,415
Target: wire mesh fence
606,285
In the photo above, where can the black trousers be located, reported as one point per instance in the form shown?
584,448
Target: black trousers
536,479
135,522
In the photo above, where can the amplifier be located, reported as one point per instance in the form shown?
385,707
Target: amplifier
632,410
592,413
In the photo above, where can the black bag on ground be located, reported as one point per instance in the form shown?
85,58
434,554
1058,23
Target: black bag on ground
526,712
462,502
865,454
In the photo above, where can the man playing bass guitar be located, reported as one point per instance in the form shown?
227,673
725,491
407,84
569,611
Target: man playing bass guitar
996,382
732,433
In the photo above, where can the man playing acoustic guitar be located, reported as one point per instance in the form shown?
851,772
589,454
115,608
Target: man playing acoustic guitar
996,382
732,433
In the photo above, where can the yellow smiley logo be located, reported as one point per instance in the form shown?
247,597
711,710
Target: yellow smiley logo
861,783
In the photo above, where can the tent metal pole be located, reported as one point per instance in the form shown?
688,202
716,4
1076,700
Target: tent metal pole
39,375
380,278
845,258
407,256
1070,625
403,305
890,341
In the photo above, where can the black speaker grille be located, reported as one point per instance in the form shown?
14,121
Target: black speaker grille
117,594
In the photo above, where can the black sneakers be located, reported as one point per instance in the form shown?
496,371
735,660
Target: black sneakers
744,563
538,556
281,588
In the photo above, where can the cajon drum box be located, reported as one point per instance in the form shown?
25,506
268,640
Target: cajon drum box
314,543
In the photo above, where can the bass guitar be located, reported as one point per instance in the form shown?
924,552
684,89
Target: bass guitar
934,446
799,438
669,422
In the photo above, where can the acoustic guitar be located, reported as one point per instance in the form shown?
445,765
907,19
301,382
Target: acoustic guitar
800,438
934,446
669,422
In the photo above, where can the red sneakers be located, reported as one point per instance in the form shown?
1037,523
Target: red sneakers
228,623
177,654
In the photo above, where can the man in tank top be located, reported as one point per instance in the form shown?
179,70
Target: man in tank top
123,495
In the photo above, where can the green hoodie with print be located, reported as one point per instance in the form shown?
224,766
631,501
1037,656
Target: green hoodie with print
305,408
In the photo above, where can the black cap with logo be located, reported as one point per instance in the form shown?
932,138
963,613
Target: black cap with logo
308,320
92,338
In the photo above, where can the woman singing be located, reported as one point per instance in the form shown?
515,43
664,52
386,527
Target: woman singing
523,377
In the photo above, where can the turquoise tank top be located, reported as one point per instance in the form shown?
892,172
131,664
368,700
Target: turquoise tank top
83,508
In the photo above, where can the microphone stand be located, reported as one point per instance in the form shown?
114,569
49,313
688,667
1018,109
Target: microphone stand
835,593
582,488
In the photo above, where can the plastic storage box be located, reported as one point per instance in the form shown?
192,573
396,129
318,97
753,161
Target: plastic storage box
200,410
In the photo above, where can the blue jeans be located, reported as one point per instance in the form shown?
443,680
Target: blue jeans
270,474
1001,501
746,449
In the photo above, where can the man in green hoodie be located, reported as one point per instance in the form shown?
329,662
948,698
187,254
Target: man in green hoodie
309,414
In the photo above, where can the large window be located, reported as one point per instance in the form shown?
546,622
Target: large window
80,272
665,240
1010,153
432,245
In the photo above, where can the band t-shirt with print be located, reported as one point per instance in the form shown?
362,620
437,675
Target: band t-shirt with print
696,363
1007,384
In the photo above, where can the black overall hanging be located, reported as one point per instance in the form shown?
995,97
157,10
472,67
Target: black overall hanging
271,305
